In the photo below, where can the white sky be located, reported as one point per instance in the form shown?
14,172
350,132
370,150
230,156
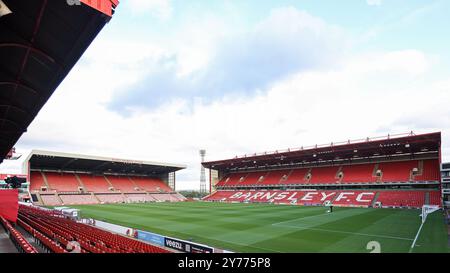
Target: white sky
290,79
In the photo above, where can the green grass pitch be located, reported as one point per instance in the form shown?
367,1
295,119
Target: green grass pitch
280,228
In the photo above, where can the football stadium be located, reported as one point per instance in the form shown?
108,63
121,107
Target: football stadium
386,194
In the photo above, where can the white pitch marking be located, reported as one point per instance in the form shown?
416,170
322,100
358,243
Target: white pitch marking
351,233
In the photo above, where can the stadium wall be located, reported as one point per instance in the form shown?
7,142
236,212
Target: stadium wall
9,204
113,227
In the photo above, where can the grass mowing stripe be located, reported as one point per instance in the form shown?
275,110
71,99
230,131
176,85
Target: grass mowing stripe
259,227
352,233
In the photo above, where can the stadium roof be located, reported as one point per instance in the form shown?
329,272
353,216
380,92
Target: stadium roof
40,42
56,161
378,147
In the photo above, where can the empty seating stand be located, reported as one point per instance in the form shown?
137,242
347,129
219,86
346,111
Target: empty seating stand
275,177
78,199
430,172
50,200
296,176
17,238
361,173
253,178
37,181
97,184
56,232
72,189
232,179
435,198
415,199
324,175
123,184
110,198
390,172
345,198
150,184
62,182
397,171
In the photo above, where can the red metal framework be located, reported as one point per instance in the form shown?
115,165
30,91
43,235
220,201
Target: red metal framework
409,143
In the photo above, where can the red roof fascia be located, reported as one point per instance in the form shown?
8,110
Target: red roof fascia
104,6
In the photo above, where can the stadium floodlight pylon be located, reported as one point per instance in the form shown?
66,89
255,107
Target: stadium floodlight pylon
202,172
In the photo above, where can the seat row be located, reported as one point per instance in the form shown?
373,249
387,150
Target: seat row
91,239
361,198
17,238
384,172
70,182
80,199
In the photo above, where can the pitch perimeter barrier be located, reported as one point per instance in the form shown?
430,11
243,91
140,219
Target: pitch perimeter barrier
157,239
150,237
186,246
114,228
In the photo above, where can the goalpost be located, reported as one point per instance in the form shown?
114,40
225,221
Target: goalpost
426,210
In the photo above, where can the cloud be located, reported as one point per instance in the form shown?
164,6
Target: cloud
286,82
286,42
374,2
160,8
360,98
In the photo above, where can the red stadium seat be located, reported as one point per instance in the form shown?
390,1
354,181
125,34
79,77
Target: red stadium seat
50,227
97,184
360,198
415,199
62,182
150,184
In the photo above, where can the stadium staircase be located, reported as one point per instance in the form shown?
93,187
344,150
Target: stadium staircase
333,199
109,182
135,185
374,173
150,197
30,239
96,198
59,198
81,183
287,177
209,195
243,180
308,176
6,245
40,201
18,240
339,179
45,180
261,180
375,199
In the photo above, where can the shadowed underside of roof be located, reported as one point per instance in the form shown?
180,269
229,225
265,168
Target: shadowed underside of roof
379,147
56,161
40,42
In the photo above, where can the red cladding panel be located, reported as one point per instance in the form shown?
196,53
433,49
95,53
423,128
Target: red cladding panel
9,204
104,6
